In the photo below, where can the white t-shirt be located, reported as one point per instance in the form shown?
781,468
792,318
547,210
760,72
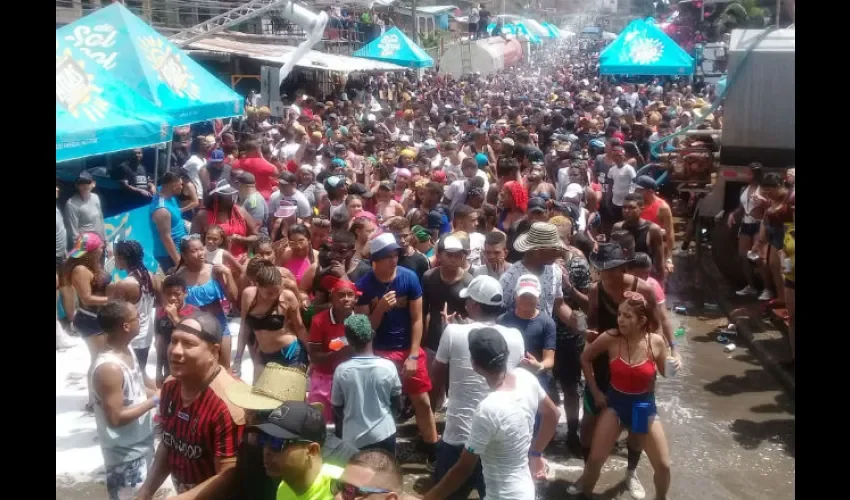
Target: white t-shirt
622,177
466,388
501,434
476,248
364,386
193,168
303,209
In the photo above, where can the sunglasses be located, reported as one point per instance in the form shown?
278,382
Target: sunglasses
277,444
351,492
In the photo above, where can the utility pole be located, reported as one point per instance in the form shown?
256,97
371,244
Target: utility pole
415,15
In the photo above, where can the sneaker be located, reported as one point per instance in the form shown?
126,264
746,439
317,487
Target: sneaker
747,290
766,295
634,486
574,489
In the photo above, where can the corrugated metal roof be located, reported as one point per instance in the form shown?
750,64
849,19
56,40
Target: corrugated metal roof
280,54
435,9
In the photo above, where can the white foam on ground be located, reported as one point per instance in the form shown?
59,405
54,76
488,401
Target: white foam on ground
78,455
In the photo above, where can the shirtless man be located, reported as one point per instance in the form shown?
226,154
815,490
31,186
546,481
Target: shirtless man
649,237
657,211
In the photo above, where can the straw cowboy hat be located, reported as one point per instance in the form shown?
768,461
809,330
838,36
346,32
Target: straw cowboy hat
542,235
276,384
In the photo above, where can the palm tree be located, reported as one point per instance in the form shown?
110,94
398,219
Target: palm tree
739,14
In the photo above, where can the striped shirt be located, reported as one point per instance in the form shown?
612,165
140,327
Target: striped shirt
197,434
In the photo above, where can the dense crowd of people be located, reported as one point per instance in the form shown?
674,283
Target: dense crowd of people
474,247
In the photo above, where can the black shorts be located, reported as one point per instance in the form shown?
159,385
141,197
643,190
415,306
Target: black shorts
567,354
750,229
60,263
86,324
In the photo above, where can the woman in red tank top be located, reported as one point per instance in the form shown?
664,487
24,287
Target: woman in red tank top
239,227
636,355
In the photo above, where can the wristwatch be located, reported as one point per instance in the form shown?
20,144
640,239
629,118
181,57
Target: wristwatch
414,357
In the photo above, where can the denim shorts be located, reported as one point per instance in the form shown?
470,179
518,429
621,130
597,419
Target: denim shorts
623,403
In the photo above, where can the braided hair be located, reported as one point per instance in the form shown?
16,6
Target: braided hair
134,255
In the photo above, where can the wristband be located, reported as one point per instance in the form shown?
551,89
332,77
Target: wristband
672,344
414,357
532,453
156,400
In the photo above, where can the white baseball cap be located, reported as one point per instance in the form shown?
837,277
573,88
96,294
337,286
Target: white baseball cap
485,290
528,283
382,245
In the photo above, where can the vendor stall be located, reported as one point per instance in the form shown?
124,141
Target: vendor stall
395,47
97,113
643,49
132,51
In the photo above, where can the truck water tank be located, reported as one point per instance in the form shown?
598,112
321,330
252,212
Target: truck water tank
487,56
759,110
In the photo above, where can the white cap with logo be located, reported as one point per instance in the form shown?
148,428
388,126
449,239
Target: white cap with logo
528,283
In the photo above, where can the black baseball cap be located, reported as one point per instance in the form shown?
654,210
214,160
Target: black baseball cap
646,182
488,349
246,178
295,420
536,205
84,178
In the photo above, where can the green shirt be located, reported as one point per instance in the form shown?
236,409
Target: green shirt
319,490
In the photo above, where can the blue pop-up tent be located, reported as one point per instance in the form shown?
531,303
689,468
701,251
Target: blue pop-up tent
97,113
643,49
394,47
132,51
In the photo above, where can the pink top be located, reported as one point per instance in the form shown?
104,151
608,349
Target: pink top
298,266
658,289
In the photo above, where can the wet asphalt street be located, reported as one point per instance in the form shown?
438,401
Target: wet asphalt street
729,425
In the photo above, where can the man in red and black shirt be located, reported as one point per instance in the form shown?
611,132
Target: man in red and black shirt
200,429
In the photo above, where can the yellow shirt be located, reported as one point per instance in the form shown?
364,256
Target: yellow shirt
319,490
788,249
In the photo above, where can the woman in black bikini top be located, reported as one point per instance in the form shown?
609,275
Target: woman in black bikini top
280,336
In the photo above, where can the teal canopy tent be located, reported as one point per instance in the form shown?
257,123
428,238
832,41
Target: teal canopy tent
394,47
643,49
132,51
522,29
553,30
97,113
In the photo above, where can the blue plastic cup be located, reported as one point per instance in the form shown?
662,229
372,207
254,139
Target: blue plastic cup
640,417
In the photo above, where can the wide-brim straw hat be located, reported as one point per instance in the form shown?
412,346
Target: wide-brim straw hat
276,384
541,235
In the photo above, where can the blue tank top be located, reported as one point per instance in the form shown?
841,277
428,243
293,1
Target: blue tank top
178,229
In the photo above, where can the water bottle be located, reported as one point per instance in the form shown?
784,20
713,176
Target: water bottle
680,332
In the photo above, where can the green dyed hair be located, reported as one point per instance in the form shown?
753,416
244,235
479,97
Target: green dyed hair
358,330
422,234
